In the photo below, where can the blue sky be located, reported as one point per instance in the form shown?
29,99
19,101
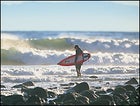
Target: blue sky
70,16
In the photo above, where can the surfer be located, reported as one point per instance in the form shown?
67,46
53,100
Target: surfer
78,66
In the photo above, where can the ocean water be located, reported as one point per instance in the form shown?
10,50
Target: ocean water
49,47
52,76
33,56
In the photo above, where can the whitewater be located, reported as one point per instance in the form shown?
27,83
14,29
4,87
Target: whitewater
108,48
33,56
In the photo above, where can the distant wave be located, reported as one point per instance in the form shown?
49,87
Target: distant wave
75,34
61,44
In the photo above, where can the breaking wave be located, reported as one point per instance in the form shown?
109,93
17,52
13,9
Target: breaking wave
46,49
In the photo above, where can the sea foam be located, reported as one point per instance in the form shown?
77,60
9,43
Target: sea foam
105,49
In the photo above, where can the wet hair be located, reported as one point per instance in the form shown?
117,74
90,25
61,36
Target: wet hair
76,46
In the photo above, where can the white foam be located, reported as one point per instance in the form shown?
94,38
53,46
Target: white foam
51,76
48,76
103,51
9,36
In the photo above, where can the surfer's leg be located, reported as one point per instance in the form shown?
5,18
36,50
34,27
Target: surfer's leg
77,70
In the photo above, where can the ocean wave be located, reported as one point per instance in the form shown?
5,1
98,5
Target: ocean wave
107,45
41,73
103,42
42,44
56,44
50,50
53,57
61,44
72,34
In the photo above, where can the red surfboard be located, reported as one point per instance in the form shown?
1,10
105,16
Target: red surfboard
69,61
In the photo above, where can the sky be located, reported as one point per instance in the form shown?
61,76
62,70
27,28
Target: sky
70,16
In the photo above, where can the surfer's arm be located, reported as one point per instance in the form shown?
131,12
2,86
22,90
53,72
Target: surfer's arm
76,56
75,59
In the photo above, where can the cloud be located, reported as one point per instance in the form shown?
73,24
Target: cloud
21,2
12,2
132,3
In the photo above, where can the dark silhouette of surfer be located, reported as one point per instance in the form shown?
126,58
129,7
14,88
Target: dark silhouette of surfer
78,65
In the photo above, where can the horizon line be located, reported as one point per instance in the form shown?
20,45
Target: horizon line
68,30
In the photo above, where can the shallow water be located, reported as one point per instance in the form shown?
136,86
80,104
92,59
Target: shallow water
52,76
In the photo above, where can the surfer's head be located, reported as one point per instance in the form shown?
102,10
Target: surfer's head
76,46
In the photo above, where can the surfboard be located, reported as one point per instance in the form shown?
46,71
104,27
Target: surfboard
69,61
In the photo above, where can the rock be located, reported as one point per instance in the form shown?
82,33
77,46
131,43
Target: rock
138,90
89,94
69,84
2,97
25,84
80,94
98,87
79,87
81,100
130,88
37,91
100,92
104,102
13,100
121,99
65,99
66,87
109,90
120,95
93,77
69,97
72,98
131,91
117,99
2,86
107,83
132,81
51,94
52,88
40,92
34,100
119,90
19,86
28,83
108,98
64,84
52,102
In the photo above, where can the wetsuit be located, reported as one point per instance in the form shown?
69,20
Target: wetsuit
78,66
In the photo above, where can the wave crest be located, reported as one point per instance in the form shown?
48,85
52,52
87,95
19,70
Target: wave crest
50,50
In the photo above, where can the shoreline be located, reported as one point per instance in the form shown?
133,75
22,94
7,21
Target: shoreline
81,89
